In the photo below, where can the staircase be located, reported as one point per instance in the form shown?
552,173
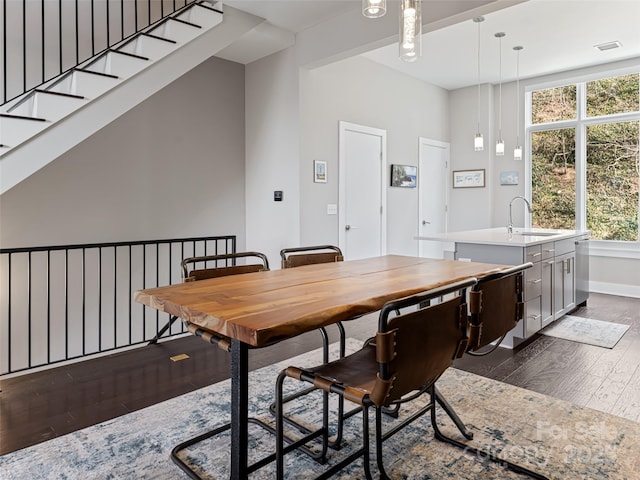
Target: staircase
47,121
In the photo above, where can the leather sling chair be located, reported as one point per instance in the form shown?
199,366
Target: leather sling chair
215,271
209,267
409,353
496,305
311,255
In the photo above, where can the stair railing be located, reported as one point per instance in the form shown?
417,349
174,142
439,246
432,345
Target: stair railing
67,302
43,39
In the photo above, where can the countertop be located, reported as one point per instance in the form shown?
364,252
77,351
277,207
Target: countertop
520,237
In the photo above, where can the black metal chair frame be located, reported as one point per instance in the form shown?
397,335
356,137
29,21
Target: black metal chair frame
223,343
208,258
423,300
285,253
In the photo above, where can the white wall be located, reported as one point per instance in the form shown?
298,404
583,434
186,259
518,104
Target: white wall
360,91
171,167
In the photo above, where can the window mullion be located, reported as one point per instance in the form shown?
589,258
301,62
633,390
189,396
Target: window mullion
581,157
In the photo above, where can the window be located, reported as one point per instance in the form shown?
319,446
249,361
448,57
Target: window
585,165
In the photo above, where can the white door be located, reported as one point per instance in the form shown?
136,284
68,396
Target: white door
433,186
362,225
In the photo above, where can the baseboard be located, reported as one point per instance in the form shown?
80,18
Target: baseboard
621,289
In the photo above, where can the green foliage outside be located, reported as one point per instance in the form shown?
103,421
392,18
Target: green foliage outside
613,168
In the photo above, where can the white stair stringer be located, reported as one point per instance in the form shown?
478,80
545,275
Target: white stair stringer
111,93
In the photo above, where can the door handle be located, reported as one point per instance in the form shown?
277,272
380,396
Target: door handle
349,227
424,222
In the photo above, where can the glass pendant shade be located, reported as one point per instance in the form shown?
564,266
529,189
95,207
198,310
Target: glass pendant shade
374,8
410,44
478,142
517,153
500,148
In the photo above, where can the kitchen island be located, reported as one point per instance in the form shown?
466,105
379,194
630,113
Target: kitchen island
555,285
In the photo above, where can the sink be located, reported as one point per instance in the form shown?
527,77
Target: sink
536,234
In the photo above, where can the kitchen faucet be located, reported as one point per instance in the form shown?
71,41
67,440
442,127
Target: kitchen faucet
510,226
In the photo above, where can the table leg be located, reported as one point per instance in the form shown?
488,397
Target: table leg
239,409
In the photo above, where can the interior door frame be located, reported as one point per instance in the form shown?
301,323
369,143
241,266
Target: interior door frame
344,127
447,174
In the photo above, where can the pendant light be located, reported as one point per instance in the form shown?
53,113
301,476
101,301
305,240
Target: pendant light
478,141
410,44
374,8
500,142
517,151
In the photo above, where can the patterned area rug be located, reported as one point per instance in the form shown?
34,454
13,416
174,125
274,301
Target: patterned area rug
557,438
587,330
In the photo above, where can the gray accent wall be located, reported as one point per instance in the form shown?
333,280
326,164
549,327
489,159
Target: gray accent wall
171,167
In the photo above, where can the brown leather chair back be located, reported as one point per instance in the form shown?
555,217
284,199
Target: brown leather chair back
294,257
496,306
224,270
415,348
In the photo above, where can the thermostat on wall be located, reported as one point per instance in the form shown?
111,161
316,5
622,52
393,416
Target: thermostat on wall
277,196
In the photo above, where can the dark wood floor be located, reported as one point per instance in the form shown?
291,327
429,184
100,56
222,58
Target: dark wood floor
39,406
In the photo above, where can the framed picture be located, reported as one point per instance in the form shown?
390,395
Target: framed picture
403,176
508,178
319,171
468,178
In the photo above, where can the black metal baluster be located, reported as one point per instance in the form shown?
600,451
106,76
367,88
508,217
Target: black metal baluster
59,34
84,301
130,290
115,297
48,306
10,284
29,326
66,303
93,29
42,46
77,36
24,44
100,299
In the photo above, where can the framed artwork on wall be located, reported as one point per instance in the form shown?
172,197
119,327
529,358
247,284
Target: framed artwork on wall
319,171
468,178
508,178
403,176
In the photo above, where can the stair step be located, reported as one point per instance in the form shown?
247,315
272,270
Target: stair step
120,64
203,15
177,29
85,83
15,129
150,46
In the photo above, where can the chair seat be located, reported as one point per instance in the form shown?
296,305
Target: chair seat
358,371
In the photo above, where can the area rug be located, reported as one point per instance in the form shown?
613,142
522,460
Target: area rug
557,438
586,330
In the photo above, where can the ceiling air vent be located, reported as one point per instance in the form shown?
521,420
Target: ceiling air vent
608,46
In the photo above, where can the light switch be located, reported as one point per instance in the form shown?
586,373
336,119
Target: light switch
332,209
277,196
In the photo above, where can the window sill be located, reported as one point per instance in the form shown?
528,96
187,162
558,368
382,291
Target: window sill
613,249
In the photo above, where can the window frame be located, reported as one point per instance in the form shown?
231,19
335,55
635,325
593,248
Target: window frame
608,248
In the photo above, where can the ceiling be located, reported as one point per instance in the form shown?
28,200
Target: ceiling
557,35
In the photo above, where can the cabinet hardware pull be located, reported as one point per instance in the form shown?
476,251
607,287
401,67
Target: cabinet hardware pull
537,280
534,317
550,250
535,254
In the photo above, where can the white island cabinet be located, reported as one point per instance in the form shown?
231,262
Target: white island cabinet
550,285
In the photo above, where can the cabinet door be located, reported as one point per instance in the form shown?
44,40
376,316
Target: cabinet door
546,307
564,284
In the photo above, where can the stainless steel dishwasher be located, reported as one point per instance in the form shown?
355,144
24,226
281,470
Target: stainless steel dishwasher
582,270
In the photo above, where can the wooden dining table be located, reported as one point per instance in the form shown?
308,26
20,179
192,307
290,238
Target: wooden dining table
258,309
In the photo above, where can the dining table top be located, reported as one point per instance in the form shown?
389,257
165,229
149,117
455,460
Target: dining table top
265,307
